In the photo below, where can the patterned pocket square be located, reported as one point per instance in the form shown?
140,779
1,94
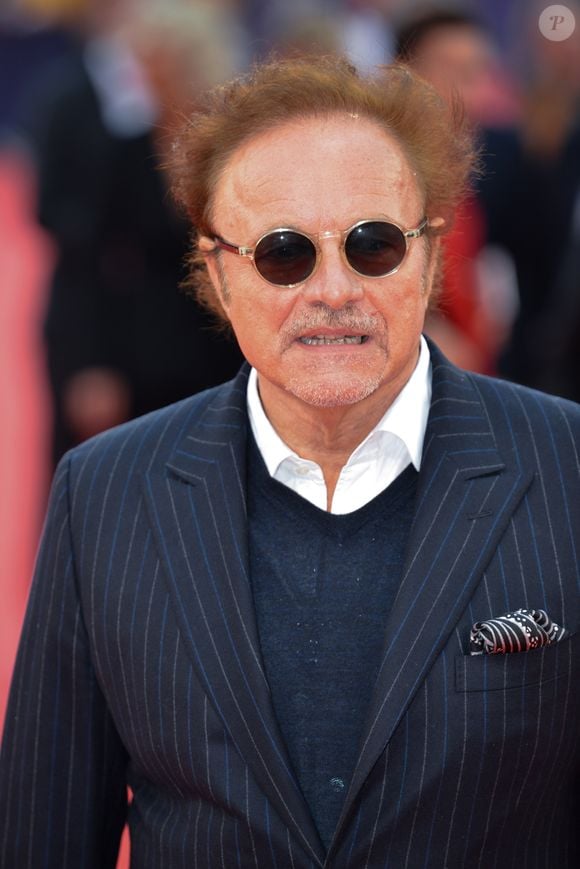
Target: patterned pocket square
517,631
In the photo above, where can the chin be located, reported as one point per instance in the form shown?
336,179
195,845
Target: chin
333,394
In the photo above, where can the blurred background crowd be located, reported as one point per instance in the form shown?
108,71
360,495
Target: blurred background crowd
93,327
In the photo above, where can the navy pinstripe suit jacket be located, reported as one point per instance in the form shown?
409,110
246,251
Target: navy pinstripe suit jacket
140,661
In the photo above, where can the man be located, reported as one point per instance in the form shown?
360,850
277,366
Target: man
120,339
454,51
257,607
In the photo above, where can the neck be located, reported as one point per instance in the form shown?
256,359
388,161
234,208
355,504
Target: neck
325,435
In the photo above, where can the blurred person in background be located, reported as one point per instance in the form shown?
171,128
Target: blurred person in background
29,44
309,35
558,344
360,28
279,25
541,200
121,337
453,50
367,32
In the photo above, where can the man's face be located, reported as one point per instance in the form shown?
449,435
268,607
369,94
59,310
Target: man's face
460,58
320,175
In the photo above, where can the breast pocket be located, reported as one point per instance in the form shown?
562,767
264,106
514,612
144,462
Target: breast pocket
518,669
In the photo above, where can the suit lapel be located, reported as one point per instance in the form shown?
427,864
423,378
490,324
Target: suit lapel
465,498
197,508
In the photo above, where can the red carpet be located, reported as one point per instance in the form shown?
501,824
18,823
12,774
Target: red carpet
24,270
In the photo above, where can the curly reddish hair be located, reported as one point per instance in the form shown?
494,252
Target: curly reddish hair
435,136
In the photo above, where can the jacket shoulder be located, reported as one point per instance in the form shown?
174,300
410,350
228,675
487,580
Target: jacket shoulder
514,395
525,412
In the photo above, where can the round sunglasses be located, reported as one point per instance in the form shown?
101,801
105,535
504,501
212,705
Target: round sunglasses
285,257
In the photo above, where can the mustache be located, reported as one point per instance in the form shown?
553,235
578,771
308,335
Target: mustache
349,321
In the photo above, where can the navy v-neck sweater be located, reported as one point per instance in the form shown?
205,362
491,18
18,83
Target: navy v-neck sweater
323,587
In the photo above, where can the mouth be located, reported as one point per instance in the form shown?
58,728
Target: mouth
319,340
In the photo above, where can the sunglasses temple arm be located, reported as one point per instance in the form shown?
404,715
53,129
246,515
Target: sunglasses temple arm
232,248
415,233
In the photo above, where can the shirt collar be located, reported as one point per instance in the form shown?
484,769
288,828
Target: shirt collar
406,418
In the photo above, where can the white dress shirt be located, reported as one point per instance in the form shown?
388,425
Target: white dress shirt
395,441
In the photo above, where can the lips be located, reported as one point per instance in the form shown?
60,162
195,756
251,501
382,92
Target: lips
319,340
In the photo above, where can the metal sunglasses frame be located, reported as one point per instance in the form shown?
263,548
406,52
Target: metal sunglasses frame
249,252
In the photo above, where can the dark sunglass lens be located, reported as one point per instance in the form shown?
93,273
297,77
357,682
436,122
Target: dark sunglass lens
285,257
375,248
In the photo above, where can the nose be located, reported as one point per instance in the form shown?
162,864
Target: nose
333,283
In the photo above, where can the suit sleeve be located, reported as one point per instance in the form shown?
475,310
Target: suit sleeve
62,765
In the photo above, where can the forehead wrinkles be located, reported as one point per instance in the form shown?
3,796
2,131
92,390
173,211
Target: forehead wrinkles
332,165
238,190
